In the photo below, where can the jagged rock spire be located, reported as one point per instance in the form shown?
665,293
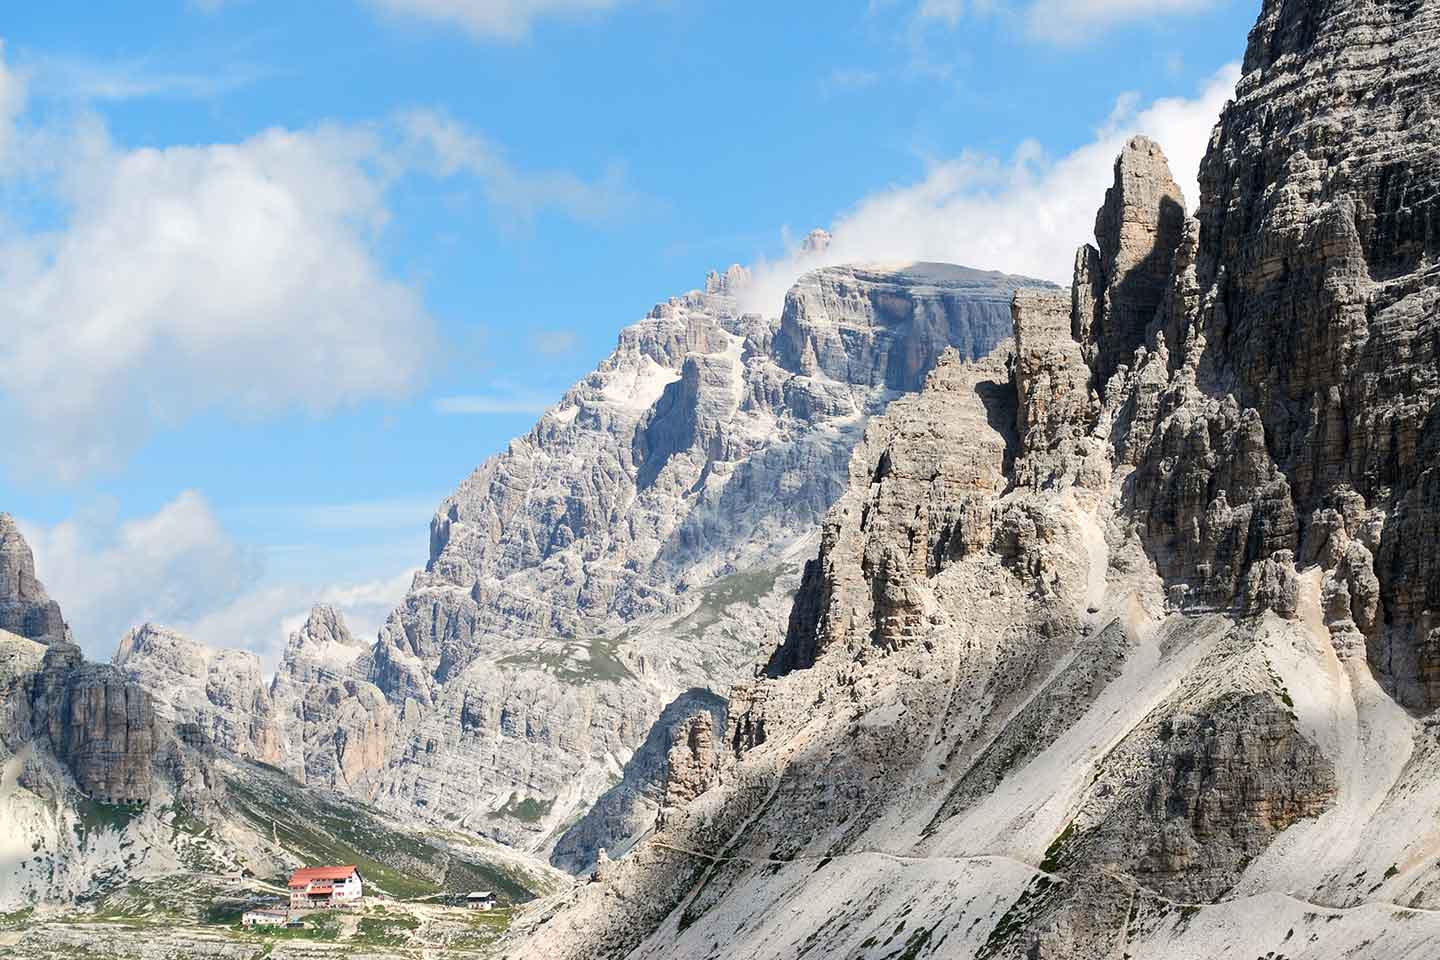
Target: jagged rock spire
1119,286
25,608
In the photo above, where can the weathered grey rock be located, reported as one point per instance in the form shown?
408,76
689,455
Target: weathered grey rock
629,808
1136,712
220,694
691,764
1137,230
641,541
99,724
25,609
334,727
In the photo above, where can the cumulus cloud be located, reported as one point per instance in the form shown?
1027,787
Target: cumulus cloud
1025,215
495,19
12,101
262,619
243,278
240,277
180,567
172,567
448,148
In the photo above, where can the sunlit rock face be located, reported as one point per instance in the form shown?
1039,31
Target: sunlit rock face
219,694
1120,640
643,541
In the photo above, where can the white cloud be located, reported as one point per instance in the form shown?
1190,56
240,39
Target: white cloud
446,148
263,619
181,568
82,79
1025,216
240,277
1062,22
172,566
495,19
12,102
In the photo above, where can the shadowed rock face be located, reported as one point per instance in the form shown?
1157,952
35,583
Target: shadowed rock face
1137,230
25,609
1130,672
1294,408
636,544
99,724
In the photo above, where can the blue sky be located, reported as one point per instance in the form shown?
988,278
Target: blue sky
248,249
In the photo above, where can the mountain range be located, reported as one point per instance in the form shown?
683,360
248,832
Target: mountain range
947,613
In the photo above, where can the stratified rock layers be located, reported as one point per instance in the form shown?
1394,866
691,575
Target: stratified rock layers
25,609
1119,641
640,542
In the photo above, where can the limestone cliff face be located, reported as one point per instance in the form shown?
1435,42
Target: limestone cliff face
1119,642
96,723
25,609
100,725
334,726
642,541
218,695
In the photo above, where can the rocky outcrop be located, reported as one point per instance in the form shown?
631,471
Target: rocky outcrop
694,757
100,725
1284,406
218,695
25,609
630,808
1145,676
1124,280
334,727
642,540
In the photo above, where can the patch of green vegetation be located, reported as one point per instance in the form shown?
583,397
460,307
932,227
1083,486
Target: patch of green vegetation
485,927
1285,697
325,926
321,828
385,931
16,918
1391,871
746,588
577,662
527,810
94,817
1032,900
1055,853
916,942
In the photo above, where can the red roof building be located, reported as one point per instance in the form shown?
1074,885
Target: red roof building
320,888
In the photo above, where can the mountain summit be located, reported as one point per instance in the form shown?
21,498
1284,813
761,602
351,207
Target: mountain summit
1122,640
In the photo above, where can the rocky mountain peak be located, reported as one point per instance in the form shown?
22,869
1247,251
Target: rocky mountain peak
218,695
816,241
1119,286
25,608
1142,615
